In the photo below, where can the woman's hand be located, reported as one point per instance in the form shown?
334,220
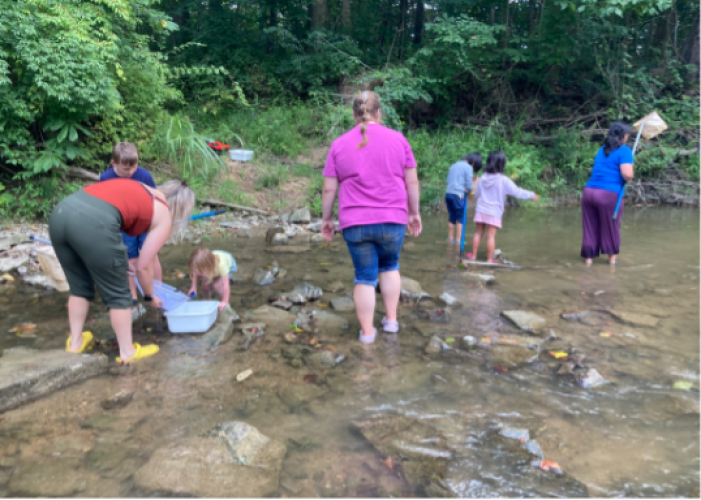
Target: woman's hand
222,305
414,225
156,303
535,197
192,292
327,229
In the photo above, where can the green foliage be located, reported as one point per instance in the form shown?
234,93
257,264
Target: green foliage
271,177
176,143
36,197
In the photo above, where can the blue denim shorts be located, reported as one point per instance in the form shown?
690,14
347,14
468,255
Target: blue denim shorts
374,249
133,243
456,206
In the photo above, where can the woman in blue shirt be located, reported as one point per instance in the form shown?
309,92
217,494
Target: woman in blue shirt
613,167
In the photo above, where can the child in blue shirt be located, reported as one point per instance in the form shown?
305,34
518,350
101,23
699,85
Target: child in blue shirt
459,185
124,164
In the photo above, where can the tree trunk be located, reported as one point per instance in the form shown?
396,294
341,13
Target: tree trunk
403,6
320,14
419,22
690,48
507,31
346,16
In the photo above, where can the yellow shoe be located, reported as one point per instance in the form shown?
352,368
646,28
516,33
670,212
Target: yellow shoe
141,352
87,343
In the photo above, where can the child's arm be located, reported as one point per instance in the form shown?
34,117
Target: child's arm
468,179
513,190
225,292
478,189
193,286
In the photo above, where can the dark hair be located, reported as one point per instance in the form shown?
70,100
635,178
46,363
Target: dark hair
474,159
495,163
615,138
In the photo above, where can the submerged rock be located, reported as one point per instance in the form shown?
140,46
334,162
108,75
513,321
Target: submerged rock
342,304
28,374
636,319
515,433
526,321
280,239
510,356
575,316
422,449
307,291
276,319
320,360
329,322
335,287
482,278
271,233
288,248
532,447
318,238
591,379
118,401
57,478
263,277
232,460
450,300
282,304
411,290
436,345
297,395
468,341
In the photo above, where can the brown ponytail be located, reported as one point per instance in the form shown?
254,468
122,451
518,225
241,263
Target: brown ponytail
366,106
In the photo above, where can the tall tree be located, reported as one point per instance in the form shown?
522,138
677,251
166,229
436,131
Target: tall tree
320,14
346,16
692,52
419,22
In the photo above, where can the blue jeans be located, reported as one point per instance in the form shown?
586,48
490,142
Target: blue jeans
374,249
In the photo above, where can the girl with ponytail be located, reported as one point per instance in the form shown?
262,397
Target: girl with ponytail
613,167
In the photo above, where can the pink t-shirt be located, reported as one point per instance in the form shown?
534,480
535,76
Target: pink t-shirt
372,189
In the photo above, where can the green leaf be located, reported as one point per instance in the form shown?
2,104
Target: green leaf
72,134
683,385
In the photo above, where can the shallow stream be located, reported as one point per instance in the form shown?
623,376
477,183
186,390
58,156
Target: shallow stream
635,436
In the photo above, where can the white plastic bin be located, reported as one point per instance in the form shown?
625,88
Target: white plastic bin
193,317
240,154
171,297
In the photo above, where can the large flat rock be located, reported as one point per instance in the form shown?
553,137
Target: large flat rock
526,321
277,320
28,374
635,318
233,460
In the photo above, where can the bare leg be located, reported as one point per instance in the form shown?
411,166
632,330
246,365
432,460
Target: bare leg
132,282
588,262
477,239
458,231
390,286
612,259
364,299
206,290
121,324
78,308
218,285
491,241
451,228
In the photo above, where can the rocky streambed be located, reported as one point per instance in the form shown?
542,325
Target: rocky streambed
549,380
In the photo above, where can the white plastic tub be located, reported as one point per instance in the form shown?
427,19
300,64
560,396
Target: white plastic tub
240,154
193,317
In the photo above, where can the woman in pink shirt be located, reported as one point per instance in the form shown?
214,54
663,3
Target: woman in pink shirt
378,199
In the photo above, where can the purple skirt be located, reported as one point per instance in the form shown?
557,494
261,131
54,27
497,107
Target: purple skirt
600,233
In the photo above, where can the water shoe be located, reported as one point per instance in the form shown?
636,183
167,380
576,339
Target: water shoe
390,326
367,339
141,352
88,342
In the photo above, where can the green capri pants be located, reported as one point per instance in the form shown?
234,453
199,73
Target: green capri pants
84,231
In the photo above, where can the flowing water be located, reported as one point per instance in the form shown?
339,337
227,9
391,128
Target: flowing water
635,436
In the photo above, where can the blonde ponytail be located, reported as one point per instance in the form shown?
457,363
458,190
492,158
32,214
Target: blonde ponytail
366,107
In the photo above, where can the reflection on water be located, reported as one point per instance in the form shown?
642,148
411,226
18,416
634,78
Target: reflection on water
633,437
